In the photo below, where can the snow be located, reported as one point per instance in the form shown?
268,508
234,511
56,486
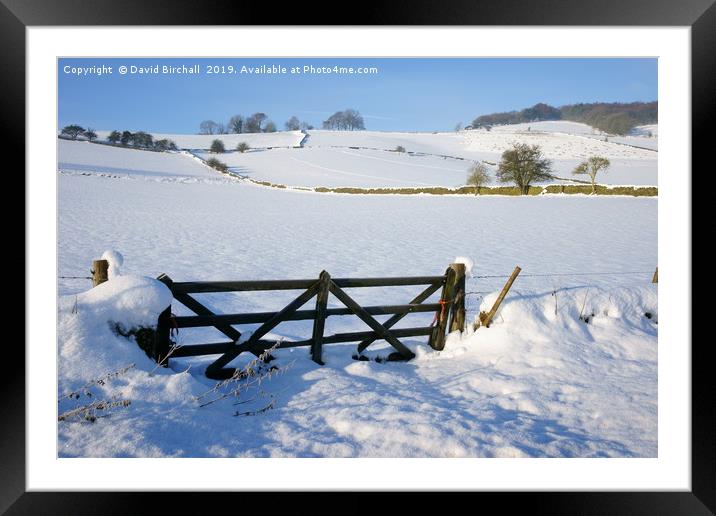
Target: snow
132,300
365,159
331,167
552,126
646,130
114,260
368,158
539,382
638,137
469,264
76,157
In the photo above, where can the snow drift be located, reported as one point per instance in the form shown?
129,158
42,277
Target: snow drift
540,382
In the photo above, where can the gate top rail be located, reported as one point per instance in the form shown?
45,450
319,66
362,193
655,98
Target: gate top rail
196,287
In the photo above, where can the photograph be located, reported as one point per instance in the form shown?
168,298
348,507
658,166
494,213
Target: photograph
357,257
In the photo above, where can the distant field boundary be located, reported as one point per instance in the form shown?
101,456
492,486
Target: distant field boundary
633,191
583,189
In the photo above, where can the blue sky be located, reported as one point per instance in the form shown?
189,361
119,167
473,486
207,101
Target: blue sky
405,94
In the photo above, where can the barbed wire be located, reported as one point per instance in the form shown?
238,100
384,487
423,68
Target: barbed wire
562,274
74,277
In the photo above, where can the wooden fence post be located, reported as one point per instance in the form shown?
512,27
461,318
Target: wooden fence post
99,272
486,319
162,337
319,322
457,314
437,337
655,279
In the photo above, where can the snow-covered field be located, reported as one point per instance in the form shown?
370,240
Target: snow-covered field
336,167
538,382
644,136
76,157
364,158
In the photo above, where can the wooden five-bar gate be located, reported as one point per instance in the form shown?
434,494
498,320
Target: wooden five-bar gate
449,314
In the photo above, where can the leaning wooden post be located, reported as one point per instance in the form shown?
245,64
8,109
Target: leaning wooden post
437,337
486,319
319,323
655,279
457,314
162,338
99,272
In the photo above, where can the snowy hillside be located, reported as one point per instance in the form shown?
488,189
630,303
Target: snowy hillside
550,126
367,159
354,158
76,157
643,136
335,167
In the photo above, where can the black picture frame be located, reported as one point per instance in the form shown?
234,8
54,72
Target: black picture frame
700,15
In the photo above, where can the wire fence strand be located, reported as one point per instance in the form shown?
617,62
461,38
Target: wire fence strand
564,274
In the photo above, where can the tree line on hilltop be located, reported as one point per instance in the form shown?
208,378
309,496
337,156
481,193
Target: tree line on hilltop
138,139
347,120
613,118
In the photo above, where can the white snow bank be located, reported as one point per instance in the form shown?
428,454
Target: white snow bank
115,260
595,305
540,382
94,158
130,300
98,365
469,264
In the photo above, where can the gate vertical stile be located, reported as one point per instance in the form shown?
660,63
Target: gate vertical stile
162,338
457,312
437,338
319,323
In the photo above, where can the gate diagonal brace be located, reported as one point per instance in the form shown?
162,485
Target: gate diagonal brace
382,332
216,370
425,294
199,309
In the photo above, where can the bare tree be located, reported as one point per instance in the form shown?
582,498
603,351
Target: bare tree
353,120
236,124
292,124
478,176
208,127
348,120
253,123
591,166
523,164
90,134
